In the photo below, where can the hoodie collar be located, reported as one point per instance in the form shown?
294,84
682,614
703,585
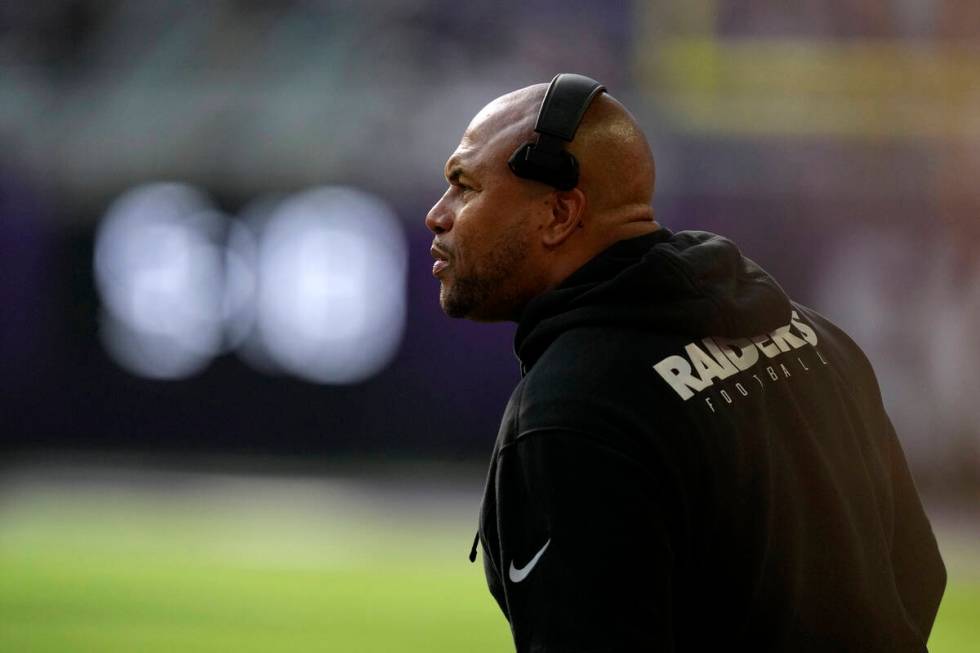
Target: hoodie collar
692,283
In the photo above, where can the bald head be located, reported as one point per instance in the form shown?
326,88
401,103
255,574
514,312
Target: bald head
617,169
501,240
616,165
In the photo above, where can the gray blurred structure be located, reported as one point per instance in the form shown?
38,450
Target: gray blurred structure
250,96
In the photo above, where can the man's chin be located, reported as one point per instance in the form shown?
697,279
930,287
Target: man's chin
457,307
471,303
456,310
450,304
453,311
472,313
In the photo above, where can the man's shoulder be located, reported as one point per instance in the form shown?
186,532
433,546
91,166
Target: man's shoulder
595,378
834,340
597,360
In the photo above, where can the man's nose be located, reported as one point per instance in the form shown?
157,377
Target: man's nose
439,219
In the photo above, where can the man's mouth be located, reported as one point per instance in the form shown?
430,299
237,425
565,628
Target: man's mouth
442,261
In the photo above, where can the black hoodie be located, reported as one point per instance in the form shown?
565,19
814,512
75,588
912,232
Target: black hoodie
692,462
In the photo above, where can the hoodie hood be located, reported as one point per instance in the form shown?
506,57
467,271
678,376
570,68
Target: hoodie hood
691,283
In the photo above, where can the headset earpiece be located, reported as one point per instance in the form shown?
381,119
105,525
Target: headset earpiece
546,159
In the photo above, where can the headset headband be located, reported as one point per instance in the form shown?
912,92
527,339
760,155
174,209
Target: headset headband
546,159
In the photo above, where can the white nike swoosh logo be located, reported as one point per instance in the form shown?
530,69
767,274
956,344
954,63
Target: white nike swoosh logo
517,575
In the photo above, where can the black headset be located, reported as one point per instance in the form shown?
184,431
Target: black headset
546,159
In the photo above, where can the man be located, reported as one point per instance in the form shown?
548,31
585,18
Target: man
691,462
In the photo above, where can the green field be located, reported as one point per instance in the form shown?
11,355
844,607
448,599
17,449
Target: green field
195,563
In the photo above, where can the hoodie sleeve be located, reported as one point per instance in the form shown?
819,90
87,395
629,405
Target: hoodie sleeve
586,563
919,571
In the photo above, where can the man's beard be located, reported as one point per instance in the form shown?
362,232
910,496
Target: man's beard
484,294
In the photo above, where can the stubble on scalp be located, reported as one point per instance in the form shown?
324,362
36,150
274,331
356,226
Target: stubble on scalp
476,294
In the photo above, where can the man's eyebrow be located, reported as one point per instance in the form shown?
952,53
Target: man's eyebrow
455,170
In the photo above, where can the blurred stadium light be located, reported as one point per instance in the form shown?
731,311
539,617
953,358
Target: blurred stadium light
159,269
315,286
332,266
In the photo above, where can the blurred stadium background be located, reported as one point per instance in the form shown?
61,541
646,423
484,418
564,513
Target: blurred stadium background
232,416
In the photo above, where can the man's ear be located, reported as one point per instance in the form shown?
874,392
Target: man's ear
566,217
